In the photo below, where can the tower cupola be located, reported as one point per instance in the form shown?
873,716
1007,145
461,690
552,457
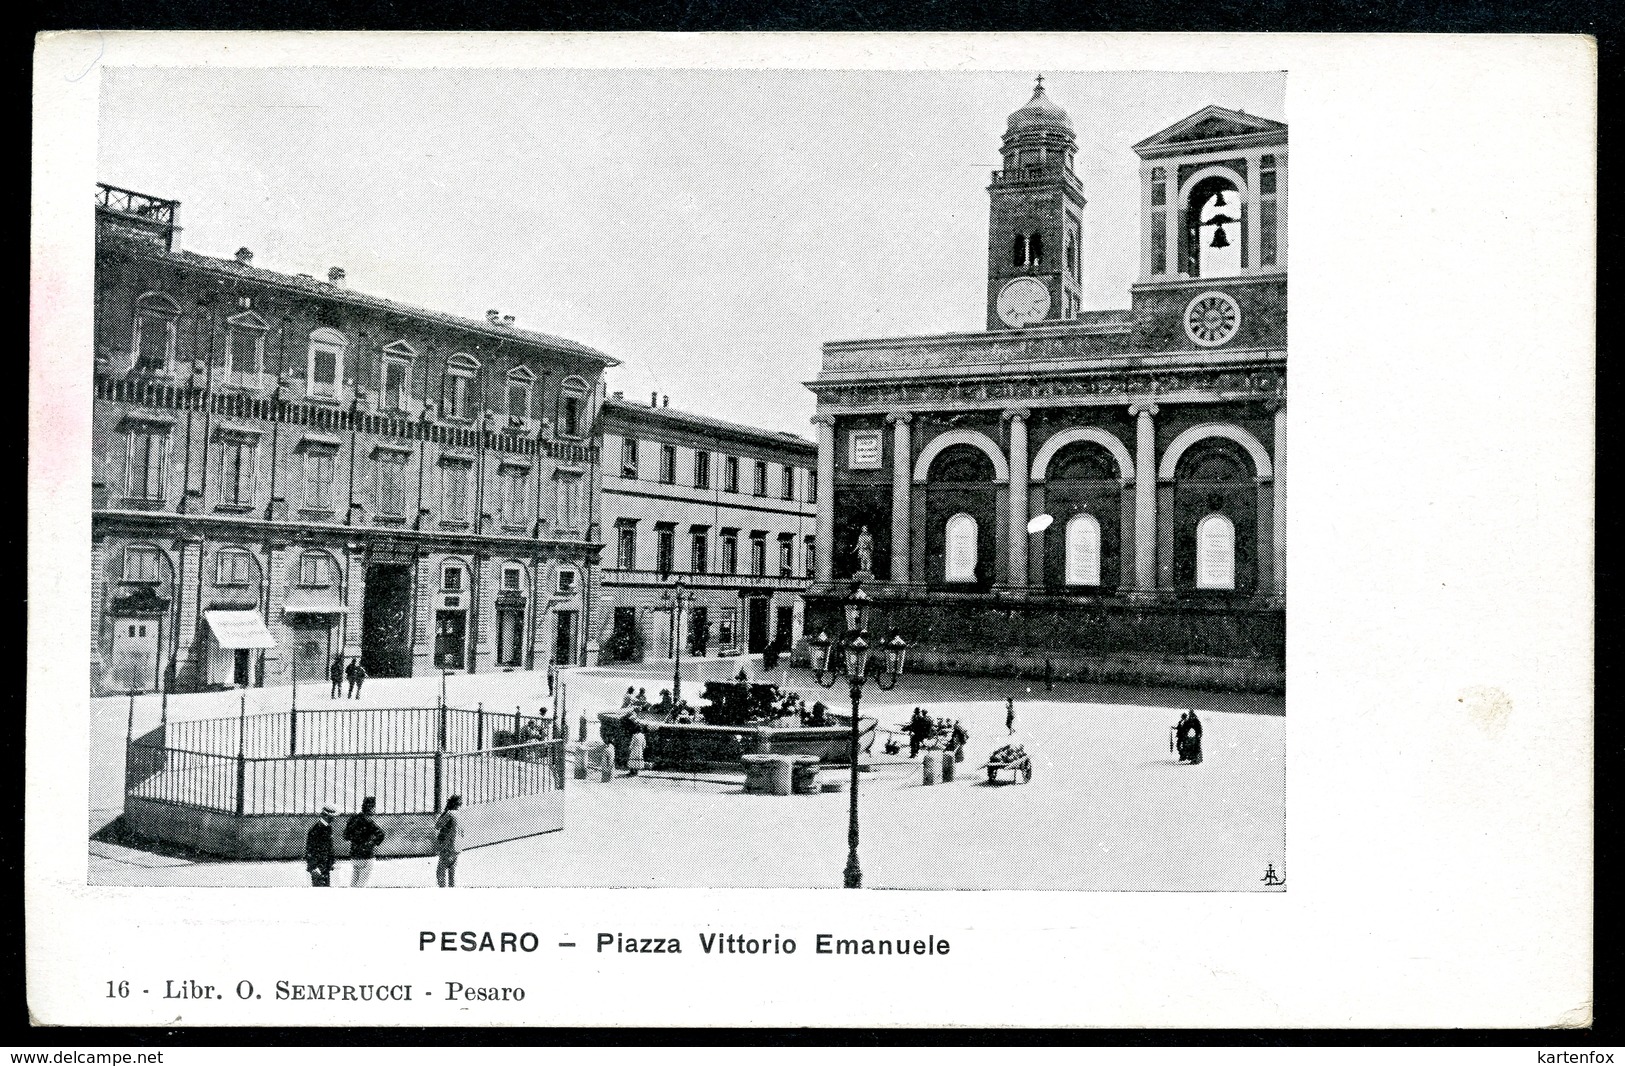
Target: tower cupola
1039,134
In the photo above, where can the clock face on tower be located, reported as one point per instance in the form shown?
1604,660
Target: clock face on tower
1023,302
1212,318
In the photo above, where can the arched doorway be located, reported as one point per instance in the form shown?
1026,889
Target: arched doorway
960,517
1083,492
1215,518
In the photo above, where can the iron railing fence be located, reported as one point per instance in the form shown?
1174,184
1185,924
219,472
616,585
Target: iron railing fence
294,762
371,731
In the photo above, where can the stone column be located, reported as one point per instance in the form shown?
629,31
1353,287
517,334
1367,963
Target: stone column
902,481
1018,495
1145,496
1278,526
826,496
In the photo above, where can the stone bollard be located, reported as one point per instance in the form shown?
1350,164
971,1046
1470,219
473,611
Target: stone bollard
758,773
781,775
581,763
804,774
933,767
948,768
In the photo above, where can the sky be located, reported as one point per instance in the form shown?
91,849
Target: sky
710,229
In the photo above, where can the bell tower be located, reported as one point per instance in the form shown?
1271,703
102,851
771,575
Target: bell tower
1035,220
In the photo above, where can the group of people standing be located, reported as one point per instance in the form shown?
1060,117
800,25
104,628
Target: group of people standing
922,727
364,835
347,670
1187,738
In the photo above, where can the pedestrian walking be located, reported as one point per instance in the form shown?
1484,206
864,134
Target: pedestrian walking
448,842
1010,714
364,836
319,849
357,674
552,677
337,676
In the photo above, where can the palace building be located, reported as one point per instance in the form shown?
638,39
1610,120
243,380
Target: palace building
287,470
726,509
1102,489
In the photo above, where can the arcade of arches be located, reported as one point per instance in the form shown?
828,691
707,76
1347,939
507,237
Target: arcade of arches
1100,492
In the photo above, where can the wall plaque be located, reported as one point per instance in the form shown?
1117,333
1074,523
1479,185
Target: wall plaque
863,449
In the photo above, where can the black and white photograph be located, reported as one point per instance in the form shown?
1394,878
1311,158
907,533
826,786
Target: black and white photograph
878,479
820,499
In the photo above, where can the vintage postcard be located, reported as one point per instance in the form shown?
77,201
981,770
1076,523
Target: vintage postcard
641,482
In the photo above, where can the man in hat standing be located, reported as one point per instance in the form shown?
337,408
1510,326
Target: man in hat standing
364,836
448,842
319,849
337,675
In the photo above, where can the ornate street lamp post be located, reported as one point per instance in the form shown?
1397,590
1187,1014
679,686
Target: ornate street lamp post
855,655
677,599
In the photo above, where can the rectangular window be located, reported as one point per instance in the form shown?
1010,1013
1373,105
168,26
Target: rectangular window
314,570
511,484
1159,242
567,581
699,551
391,475
759,484
758,554
812,486
567,489
730,474
144,473
155,340
812,556
787,557
396,391
243,354
323,373
141,564
456,396
626,547
787,483
237,472
1267,247
702,470
668,465
570,415
518,399
629,457
512,579
451,578
232,568
454,491
319,480
664,549
730,553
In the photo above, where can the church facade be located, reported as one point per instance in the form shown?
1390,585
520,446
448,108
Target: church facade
1102,491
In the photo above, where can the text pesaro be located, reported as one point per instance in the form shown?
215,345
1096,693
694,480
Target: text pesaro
470,941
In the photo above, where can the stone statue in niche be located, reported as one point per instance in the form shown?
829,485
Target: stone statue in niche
866,551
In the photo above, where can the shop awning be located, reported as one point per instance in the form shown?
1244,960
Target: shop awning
304,603
239,629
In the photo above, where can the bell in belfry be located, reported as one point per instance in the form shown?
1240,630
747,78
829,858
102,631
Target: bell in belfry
1219,239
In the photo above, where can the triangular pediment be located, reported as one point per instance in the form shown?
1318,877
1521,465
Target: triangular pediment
1212,123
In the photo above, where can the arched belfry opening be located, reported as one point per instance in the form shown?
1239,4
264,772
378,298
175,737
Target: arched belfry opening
1215,228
